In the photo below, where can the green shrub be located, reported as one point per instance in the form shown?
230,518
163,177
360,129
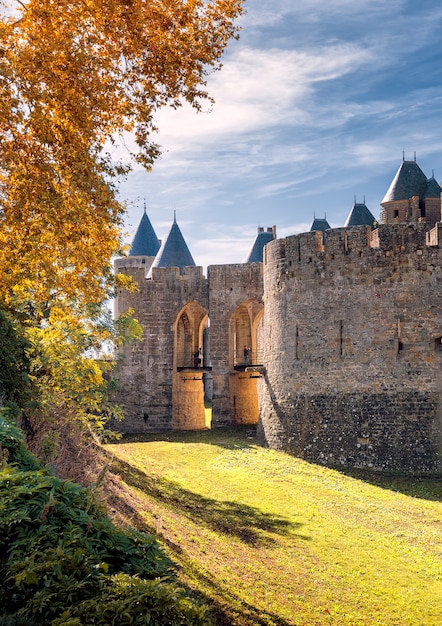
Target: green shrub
127,600
14,450
63,561
14,363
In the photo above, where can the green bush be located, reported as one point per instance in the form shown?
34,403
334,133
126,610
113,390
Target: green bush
127,600
14,363
12,446
62,560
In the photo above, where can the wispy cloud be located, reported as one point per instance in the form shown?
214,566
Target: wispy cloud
258,89
314,104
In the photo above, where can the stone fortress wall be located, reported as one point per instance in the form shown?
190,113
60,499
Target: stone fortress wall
161,387
353,347
343,330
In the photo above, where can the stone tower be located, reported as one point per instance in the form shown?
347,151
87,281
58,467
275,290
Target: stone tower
195,333
353,336
360,215
412,197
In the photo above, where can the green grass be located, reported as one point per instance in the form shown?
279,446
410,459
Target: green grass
266,538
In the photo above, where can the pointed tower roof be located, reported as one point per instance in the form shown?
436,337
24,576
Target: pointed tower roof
174,251
433,189
145,241
320,223
409,181
262,238
360,215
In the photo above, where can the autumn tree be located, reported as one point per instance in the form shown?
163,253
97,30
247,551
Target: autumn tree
75,77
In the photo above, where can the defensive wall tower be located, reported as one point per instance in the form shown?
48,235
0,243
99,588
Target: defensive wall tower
160,388
235,306
353,347
412,197
200,339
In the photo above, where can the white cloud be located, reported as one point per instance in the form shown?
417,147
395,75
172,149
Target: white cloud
258,89
310,110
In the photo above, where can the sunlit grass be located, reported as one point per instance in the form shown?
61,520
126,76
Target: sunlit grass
267,538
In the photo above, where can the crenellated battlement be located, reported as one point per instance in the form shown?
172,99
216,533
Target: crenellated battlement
167,274
134,263
355,247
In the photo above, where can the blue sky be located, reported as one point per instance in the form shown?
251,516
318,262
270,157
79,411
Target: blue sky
315,105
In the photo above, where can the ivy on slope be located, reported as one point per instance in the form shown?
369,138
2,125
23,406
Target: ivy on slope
63,561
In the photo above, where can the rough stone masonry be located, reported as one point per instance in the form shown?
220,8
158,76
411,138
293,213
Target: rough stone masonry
353,348
330,341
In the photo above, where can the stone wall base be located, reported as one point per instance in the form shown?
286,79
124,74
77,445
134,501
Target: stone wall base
389,432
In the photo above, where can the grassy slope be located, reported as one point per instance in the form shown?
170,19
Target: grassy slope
270,539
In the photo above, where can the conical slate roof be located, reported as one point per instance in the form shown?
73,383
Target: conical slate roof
320,223
145,242
262,238
409,181
433,189
360,215
174,251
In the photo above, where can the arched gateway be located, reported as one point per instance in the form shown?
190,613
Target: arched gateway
245,362
188,410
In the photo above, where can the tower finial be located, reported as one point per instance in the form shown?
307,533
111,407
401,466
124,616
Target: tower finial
415,156
145,208
354,199
364,198
174,216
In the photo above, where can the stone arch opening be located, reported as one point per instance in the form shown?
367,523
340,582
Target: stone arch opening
190,368
245,361
243,334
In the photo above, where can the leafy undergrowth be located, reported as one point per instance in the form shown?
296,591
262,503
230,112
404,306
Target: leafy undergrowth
266,538
64,563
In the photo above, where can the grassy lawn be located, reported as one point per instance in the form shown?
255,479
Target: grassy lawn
266,538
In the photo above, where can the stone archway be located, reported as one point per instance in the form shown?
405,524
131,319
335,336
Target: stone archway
244,362
188,411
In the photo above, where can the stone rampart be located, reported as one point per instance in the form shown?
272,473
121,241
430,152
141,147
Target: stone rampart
147,368
352,333
160,387
234,289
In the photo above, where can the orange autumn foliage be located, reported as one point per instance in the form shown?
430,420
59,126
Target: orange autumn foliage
75,75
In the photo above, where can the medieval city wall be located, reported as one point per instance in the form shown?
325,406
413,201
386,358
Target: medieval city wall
147,367
353,348
159,387
231,287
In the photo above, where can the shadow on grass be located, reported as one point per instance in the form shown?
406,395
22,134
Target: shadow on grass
226,437
228,608
249,524
423,487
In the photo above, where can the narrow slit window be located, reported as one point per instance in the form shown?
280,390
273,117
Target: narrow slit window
400,345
